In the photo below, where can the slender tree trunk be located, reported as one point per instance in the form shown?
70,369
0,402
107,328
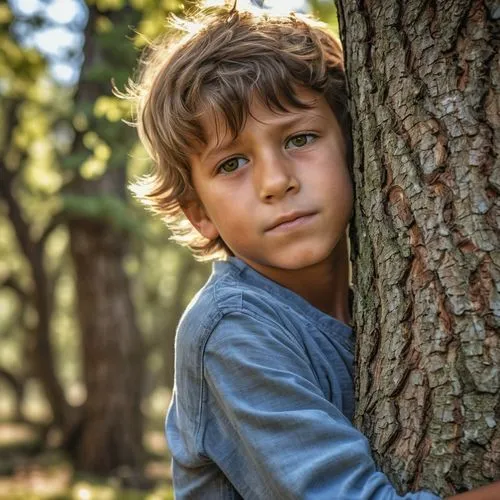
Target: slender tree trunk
17,386
424,81
40,289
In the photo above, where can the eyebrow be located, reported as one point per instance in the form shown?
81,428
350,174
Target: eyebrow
295,119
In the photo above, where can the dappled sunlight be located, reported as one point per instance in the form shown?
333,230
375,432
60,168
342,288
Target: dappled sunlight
31,480
12,433
26,474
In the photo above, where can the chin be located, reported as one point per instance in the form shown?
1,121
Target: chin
295,260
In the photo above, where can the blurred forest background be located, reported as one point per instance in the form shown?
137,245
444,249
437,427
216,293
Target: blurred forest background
91,288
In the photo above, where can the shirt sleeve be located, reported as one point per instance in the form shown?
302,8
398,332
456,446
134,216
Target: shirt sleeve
269,427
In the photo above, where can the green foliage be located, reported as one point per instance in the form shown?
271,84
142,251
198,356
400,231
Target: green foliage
326,11
112,108
105,208
107,5
19,67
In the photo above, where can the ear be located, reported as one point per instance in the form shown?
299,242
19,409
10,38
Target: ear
196,214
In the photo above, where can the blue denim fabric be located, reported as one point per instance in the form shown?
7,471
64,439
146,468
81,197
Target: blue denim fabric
264,398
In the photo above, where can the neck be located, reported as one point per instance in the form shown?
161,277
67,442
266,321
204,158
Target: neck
327,286
324,285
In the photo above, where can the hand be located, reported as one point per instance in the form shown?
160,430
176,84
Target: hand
490,492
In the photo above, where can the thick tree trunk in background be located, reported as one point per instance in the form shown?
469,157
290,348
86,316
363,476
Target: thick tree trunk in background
110,435
424,82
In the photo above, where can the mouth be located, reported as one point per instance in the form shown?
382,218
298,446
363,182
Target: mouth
290,220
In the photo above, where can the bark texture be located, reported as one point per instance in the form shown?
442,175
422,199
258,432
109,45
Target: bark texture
424,80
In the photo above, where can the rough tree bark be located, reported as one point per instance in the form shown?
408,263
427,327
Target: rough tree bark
424,81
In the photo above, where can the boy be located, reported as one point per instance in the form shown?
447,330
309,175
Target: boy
246,121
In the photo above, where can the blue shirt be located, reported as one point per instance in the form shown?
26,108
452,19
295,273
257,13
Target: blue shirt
264,398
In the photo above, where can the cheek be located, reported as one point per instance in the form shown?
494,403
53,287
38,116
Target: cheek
336,179
335,186
229,219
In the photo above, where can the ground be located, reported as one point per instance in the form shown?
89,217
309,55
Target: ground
29,473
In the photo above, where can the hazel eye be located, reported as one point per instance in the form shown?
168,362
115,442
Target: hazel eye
231,165
299,141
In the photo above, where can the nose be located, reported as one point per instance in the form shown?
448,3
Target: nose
275,177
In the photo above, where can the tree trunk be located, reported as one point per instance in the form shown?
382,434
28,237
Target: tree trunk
110,435
423,78
40,288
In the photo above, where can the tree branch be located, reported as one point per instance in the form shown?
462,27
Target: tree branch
21,228
33,252
56,221
13,284
17,385
10,116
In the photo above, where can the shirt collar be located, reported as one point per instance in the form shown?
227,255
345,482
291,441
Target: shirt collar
323,321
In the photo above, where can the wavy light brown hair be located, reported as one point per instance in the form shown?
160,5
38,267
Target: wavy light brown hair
215,63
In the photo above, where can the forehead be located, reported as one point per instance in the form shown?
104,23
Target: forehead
217,129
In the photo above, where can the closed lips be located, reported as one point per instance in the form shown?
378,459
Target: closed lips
290,217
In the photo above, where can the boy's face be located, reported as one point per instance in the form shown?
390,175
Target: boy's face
280,195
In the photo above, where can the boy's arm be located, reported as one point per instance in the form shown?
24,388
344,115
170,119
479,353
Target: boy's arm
490,492
269,427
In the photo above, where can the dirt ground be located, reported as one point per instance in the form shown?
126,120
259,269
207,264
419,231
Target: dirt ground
29,473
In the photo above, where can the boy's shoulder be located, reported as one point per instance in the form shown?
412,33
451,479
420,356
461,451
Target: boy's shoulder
232,311
229,290
237,298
